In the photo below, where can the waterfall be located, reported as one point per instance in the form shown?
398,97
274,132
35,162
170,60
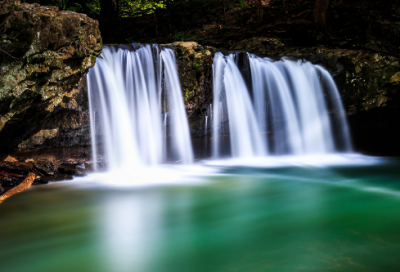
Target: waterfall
180,127
266,108
205,125
126,88
292,108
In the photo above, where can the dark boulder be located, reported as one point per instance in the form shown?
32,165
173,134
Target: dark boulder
44,53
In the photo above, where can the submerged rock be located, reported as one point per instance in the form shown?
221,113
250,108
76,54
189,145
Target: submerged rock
73,169
44,54
45,168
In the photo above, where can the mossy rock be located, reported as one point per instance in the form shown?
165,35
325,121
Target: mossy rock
44,54
195,70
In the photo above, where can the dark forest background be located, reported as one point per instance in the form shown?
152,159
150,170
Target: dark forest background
220,22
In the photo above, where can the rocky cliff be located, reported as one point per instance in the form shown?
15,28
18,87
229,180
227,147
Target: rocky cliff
368,81
44,53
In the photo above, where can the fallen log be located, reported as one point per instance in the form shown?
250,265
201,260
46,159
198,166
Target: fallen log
30,178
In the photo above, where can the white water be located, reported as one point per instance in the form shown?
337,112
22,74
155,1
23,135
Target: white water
206,125
181,143
230,89
293,108
125,92
289,114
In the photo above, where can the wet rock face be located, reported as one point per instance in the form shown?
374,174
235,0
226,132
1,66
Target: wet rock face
44,54
368,82
366,79
195,71
67,127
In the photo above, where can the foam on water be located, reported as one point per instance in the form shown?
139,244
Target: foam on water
143,177
328,160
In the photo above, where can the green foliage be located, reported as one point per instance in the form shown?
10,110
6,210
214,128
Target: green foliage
194,9
93,7
146,20
128,8
190,35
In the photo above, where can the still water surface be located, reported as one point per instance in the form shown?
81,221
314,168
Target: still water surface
243,219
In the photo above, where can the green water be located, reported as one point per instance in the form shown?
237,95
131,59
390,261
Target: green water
283,219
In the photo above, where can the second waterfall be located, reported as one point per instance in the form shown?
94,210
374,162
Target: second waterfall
271,107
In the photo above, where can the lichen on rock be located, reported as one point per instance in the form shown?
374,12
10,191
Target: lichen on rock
195,73
195,70
44,53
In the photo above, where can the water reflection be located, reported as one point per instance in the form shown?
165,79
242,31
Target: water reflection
129,229
243,219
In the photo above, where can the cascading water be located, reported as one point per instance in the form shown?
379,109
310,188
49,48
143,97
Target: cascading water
292,108
125,93
295,109
230,89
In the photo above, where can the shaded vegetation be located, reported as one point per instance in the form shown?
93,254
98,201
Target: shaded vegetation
357,23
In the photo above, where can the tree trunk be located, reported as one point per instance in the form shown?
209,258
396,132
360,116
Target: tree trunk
25,184
108,9
321,14
82,3
260,11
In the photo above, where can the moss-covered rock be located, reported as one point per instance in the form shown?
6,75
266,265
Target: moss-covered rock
195,71
366,79
68,126
39,138
44,53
